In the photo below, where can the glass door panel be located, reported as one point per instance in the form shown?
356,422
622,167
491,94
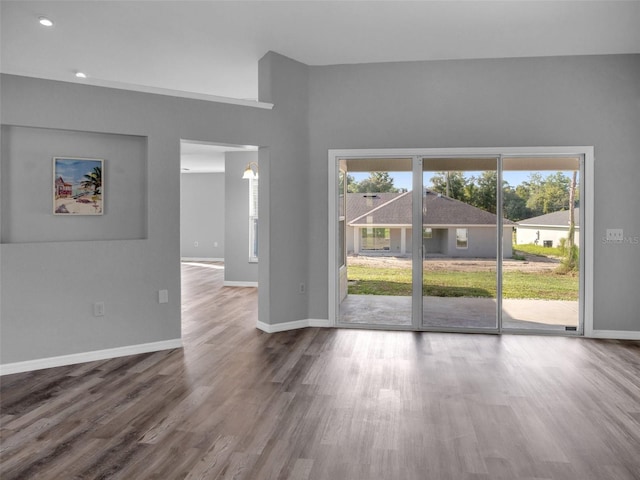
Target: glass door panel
375,229
459,243
540,274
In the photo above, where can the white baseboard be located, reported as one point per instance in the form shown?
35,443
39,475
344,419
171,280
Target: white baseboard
201,259
40,363
232,283
615,334
282,327
320,322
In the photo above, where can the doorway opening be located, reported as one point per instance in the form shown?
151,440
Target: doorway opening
485,240
218,220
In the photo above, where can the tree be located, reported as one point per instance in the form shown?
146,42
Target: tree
571,255
352,185
93,180
485,194
377,182
452,184
514,205
548,194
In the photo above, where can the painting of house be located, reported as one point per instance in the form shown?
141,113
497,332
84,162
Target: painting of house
382,222
63,189
547,229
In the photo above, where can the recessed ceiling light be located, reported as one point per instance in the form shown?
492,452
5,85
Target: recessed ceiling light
47,22
81,75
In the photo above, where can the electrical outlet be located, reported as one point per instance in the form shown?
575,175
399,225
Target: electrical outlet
303,288
195,244
215,244
163,296
615,235
98,309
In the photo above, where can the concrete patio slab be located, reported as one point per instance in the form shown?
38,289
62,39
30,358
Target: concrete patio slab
460,312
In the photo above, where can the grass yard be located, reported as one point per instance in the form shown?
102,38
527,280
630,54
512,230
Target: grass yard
368,280
538,250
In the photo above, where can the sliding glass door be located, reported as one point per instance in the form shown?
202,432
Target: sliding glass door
480,243
541,275
375,233
459,243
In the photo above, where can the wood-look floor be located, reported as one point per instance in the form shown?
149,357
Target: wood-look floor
237,403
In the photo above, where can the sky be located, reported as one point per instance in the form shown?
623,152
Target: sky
73,170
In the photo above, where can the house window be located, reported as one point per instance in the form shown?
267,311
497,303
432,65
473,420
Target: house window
253,219
427,232
462,238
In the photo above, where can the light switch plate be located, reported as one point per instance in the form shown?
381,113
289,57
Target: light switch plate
615,235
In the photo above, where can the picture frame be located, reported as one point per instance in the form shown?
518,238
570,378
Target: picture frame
78,186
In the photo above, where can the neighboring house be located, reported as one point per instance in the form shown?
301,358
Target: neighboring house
382,222
547,229
63,189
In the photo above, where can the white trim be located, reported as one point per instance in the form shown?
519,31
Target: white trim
201,259
72,359
615,334
587,218
319,322
233,283
286,326
96,82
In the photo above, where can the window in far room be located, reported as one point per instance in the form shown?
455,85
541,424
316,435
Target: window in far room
253,219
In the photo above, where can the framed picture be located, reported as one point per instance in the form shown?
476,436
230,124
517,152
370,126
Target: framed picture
78,187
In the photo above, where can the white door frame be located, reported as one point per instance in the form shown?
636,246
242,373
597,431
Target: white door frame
586,206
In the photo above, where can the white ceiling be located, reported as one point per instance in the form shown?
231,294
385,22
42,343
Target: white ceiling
213,47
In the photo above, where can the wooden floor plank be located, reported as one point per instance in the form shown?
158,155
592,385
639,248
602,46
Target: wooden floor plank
316,404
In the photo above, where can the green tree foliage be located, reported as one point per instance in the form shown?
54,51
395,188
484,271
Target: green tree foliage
93,181
377,182
451,184
515,206
536,196
479,192
548,194
485,195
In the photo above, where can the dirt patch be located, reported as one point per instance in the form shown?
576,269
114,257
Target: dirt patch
531,263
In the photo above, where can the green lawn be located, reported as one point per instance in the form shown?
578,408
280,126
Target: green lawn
537,250
397,281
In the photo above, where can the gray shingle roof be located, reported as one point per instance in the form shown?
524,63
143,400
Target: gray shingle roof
553,219
395,209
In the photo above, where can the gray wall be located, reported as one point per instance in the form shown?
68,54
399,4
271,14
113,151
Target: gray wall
285,195
481,243
237,267
590,100
47,288
27,198
202,212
